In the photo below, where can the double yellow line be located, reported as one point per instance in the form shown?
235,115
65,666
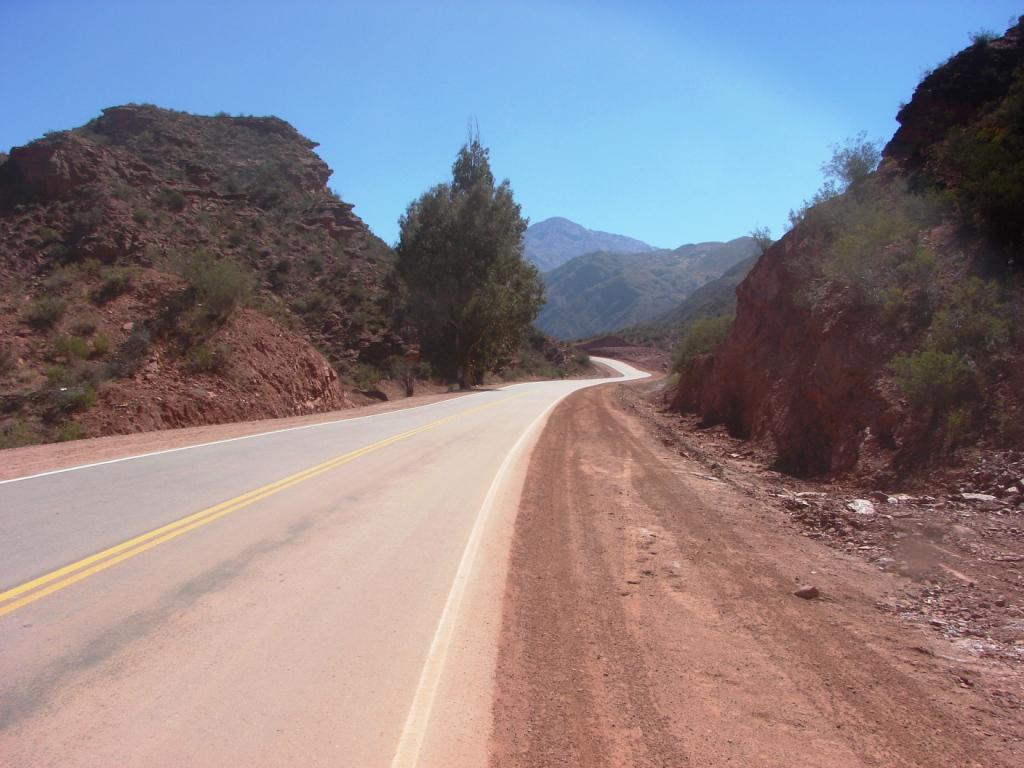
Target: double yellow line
47,584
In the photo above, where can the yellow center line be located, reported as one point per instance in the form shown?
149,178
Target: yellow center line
51,582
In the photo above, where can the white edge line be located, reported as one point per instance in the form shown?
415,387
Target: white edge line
228,440
410,743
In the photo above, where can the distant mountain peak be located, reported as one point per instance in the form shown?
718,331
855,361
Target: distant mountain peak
550,243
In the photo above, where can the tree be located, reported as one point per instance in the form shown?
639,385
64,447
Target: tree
460,252
852,162
850,165
762,237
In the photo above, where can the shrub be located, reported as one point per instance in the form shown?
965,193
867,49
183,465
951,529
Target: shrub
171,199
15,433
985,167
219,285
86,325
100,346
140,216
48,235
116,280
57,252
850,165
983,37
61,279
958,425
209,359
71,347
70,430
930,378
367,377
704,336
975,320
130,355
8,362
44,312
70,398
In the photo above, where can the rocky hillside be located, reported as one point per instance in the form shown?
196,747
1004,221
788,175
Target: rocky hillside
550,243
162,269
711,300
601,292
884,332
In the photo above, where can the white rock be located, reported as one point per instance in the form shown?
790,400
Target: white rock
861,507
977,497
899,498
810,495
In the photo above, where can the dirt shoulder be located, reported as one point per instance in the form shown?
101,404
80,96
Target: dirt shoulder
650,620
19,462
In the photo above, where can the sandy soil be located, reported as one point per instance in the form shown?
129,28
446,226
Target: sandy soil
650,620
18,462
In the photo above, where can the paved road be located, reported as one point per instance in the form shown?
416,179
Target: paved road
279,599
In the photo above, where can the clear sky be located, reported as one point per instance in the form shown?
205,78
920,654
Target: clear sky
671,122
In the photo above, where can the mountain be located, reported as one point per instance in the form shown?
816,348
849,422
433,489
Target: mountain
161,269
602,292
550,243
884,333
710,300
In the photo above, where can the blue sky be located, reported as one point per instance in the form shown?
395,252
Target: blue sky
671,122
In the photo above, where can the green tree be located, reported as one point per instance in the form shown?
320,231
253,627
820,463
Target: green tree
460,252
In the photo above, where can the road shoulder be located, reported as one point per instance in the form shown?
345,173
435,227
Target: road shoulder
649,619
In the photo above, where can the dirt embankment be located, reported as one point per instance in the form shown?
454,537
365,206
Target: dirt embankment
650,620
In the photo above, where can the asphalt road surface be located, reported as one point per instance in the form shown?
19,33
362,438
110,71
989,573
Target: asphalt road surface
292,598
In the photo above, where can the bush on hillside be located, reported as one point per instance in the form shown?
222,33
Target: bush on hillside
984,165
219,285
973,321
703,337
209,358
116,281
930,378
44,312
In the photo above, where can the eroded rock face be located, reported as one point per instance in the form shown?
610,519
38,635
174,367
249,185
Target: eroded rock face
809,372
796,374
953,94
272,373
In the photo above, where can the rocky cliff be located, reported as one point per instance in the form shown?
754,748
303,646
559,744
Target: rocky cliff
163,269
884,332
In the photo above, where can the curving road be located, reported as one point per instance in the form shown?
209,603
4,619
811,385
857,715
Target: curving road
323,595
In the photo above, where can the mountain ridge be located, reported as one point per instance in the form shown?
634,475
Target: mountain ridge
604,291
550,243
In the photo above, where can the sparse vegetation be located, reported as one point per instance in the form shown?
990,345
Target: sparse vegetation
171,199
703,337
100,346
930,378
45,312
70,347
209,358
367,377
116,281
219,285
70,430
72,398
984,165
8,362
132,352
850,166
86,325
16,433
